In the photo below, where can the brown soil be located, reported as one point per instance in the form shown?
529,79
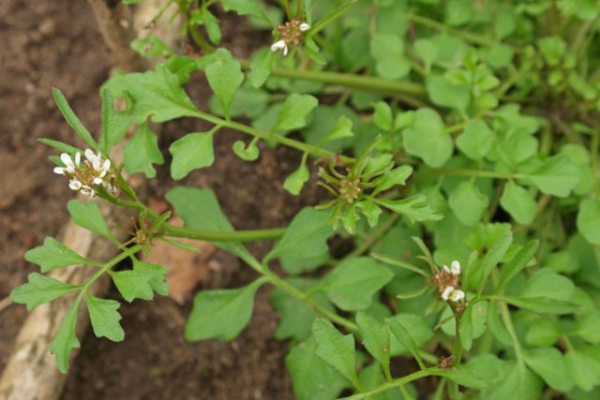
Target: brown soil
45,45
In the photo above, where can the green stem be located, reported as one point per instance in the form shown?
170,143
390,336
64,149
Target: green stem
109,264
211,236
295,292
395,383
480,173
513,334
458,348
295,144
360,82
473,37
374,237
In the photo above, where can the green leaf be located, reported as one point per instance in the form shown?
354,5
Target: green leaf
443,93
336,349
354,282
156,94
517,264
212,26
541,305
405,338
495,326
40,289
105,318
371,211
463,377
156,275
249,153
53,254
193,151
584,369
295,182
418,328
476,140
133,284
468,203
544,332
388,51
151,47
556,176
260,69
397,176
224,76
306,236
547,283
66,339
550,364
588,220
312,378
89,216
60,146
458,12
426,138
341,129
519,203
376,338
427,51
142,151
72,119
296,316
200,209
515,382
243,7
109,120
221,314
294,112
383,117
493,257
415,208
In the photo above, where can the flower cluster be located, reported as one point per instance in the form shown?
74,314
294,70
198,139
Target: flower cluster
86,176
291,32
448,281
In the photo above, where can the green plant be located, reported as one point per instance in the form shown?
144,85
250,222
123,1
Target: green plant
454,133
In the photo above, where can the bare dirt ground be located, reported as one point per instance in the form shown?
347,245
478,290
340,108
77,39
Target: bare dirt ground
47,44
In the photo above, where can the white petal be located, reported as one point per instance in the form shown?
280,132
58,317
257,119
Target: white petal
285,50
66,159
455,268
304,27
59,170
75,184
447,292
77,158
106,166
457,295
98,181
445,268
89,154
278,45
88,191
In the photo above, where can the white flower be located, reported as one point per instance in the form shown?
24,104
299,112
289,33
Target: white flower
88,191
451,294
87,176
455,268
457,295
304,27
445,268
74,184
447,292
70,165
279,45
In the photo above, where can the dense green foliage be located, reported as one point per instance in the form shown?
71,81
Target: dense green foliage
458,133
